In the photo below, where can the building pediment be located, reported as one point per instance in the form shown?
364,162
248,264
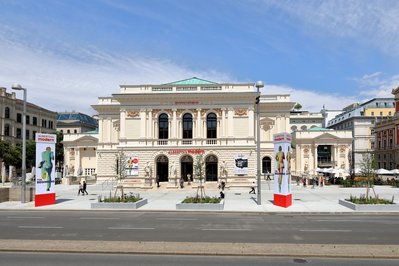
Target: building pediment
87,139
327,136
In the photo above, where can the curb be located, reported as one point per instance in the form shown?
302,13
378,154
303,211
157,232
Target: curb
209,249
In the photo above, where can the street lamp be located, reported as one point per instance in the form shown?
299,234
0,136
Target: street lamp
258,85
18,87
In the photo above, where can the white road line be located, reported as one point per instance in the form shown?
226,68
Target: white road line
99,218
337,221
323,230
23,217
130,228
177,219
224,229
40,227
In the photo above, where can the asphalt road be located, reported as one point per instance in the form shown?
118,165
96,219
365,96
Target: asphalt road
61,259
373,229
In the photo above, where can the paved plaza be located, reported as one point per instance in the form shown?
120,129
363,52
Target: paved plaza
305,199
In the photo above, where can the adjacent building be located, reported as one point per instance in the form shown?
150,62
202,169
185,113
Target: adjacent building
386,134
38,119
360,119
304,120
75,122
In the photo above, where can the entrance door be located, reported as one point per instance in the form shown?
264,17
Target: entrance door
186,163
211,168
163,168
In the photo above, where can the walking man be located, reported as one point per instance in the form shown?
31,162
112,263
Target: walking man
252,188
84,188
80,189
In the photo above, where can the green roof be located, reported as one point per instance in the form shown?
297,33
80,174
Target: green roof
191,81
91,132
318,129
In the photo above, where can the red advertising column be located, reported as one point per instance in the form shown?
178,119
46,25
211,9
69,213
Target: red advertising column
282,170
45,173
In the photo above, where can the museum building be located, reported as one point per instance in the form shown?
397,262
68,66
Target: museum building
159,130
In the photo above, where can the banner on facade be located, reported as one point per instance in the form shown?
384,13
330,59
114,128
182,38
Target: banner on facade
282,169
241,165
45,165
132,165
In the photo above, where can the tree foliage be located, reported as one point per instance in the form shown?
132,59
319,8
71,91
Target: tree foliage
120,165
298,106
59,149
368,166
10,154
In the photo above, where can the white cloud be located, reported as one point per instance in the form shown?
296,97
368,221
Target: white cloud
377,85
374,22
65,83
311,100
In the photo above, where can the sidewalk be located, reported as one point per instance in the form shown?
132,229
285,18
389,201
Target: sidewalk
305,200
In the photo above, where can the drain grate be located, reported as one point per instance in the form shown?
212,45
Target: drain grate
300,261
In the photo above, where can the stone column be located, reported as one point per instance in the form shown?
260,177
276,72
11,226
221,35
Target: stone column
251,122
77,161
173,130
315,157
223,129
150,126
109,120
198,133
142,123
230,122
122,133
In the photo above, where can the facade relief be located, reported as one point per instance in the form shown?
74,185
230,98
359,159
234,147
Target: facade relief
133,113
240,112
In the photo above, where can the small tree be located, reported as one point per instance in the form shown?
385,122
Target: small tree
199,168
297,106
120,170
368,167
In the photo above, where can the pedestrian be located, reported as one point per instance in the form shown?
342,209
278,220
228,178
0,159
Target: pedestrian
268,176
157,180
304,181
221,195
80,189
222,185
84,188
181,182
252,188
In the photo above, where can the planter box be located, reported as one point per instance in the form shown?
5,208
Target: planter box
201,206
119,205
369,207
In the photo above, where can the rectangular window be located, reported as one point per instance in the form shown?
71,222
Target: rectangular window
19,118
372,113
19,133
27,134
44,123
380,113
33,134
27,118
34,121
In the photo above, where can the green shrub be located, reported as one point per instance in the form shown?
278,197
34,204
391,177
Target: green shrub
201,200
363,200
125,199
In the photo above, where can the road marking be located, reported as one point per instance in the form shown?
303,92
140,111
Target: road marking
130,228
99,218
224,229
177,219
297,237
24,217
323,230
337,220
40,227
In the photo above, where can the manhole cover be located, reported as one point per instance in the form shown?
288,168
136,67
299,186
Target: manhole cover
237,193
300,261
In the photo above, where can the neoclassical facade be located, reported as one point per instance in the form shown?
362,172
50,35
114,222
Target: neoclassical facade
160,130
321,148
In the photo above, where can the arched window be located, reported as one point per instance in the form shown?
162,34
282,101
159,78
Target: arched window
7,112
163,126
294,128
7,130
187,126
266,165
211,123
304,127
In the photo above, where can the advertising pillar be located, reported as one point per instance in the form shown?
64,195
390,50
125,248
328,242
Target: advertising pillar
45,173
282,170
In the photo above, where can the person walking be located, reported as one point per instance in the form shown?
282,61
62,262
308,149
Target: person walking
80,189
268,176
252,188
84,188
181,182
157,181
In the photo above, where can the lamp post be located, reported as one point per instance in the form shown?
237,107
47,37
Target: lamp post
259,84
18,87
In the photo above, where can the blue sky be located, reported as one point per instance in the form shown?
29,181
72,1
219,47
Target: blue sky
68,53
